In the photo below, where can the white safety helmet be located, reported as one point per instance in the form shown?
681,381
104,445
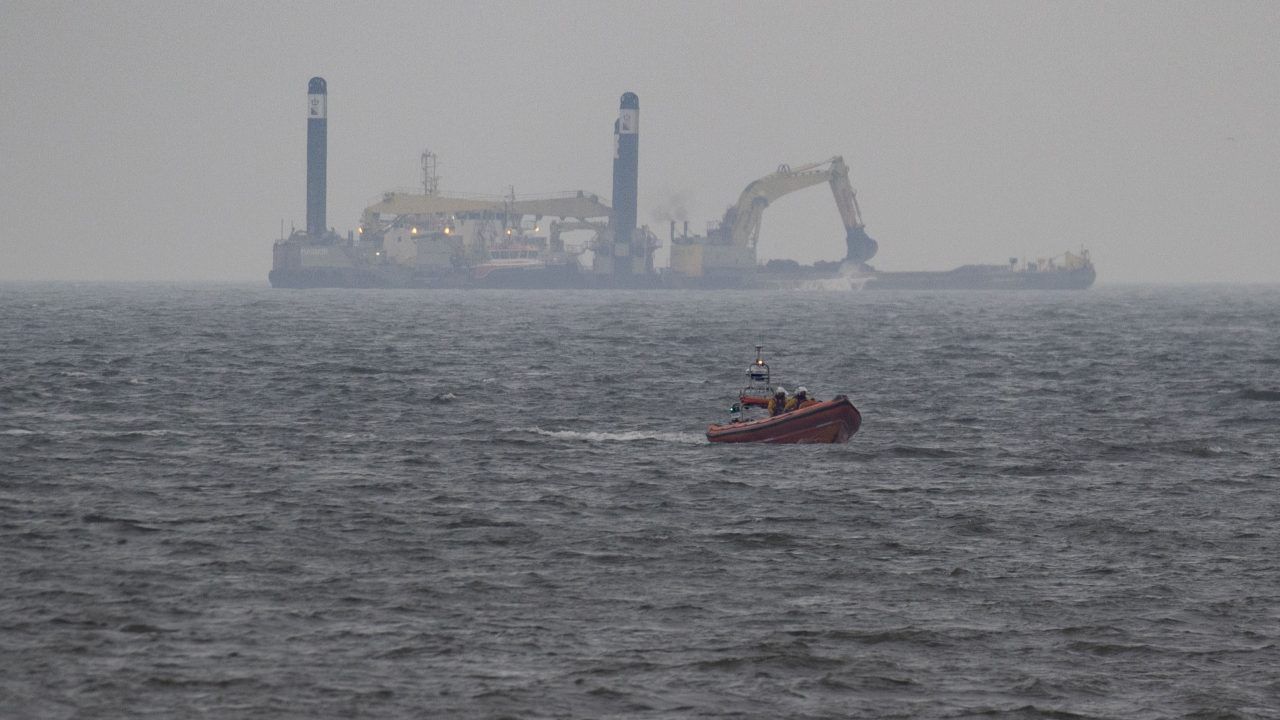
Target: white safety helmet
779,389
802,389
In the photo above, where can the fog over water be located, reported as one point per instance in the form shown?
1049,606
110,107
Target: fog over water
154,141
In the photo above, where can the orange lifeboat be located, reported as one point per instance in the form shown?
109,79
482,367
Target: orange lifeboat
833,421
830,421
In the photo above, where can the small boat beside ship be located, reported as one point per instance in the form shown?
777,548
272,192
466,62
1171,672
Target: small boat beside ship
830,421
526,266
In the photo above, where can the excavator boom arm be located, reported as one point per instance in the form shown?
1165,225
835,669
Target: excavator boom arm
758,195
742,221
846,200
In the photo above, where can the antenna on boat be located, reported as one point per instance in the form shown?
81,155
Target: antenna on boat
758,373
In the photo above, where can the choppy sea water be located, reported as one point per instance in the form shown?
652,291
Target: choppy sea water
231,501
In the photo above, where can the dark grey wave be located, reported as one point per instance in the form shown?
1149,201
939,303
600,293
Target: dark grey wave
234,502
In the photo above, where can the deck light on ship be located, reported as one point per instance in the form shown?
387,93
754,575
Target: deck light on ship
359,231
413,231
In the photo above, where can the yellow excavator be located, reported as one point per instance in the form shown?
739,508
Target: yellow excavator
740,227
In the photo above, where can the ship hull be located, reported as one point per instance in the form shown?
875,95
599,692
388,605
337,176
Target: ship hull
549,277
343,270
984,277
338,277
363,278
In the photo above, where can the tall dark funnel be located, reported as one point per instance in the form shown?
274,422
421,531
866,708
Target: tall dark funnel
317,147
626,178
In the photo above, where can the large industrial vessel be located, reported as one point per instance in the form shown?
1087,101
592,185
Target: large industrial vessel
436,240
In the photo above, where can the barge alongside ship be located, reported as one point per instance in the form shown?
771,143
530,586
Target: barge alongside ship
1075,272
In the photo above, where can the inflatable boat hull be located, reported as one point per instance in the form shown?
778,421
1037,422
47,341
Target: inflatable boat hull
833,421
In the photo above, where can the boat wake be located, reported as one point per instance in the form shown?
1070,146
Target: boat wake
632,436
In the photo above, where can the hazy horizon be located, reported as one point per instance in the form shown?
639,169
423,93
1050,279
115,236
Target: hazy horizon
150,142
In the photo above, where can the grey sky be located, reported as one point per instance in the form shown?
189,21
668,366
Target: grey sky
152,141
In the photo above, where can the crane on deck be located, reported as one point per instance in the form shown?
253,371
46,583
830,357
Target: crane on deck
741,224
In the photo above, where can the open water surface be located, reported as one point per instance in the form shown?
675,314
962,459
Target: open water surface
231,501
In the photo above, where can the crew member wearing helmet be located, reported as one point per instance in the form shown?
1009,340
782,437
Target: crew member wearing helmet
800,399
778,403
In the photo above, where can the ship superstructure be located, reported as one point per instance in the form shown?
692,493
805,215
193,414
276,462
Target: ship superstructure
434,239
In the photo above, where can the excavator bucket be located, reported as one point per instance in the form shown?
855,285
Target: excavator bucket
861,247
